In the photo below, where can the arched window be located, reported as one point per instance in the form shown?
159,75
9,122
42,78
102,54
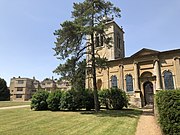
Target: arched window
113,81
99,84
129,83
168,80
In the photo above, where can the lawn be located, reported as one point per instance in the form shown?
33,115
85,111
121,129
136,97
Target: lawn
27,122
13,103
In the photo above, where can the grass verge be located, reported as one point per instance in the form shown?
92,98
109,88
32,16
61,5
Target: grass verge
27,122
13,103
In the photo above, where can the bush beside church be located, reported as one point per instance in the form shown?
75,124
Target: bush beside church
168,105
113,98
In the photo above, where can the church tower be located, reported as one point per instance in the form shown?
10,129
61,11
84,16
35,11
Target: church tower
111,51
115,49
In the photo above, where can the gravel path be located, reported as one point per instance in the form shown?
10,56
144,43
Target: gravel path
13,107
147,124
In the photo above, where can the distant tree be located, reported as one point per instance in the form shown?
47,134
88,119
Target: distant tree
4,91
87,20
74,73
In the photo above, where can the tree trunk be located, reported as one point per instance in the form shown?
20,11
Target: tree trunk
96,101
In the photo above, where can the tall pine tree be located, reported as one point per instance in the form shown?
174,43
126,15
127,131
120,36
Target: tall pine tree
72,36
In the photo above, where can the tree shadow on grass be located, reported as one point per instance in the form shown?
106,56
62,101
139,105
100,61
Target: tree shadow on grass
114,113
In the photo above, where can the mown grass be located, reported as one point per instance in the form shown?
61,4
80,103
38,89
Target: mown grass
13,103
27,122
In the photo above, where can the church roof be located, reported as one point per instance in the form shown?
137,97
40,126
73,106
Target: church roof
145,52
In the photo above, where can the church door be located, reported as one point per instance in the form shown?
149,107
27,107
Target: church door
148,93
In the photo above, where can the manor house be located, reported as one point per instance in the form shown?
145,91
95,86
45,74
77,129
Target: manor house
22,89
141,75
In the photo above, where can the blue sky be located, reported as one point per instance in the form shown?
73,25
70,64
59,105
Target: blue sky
27,26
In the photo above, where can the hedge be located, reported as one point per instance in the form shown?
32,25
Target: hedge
53,100
77,99
38,101
113,98
168,105
87,99
70,100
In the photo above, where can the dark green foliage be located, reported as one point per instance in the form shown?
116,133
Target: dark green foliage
70,100
38,101
104,96
77,99
87,99
80,77
87,19
168,105
73,72
4,91
53,100
113,98
118,98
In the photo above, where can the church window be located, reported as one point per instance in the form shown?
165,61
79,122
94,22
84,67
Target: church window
102,40
99,40
168,80
113,81
129,83
99,84
118,42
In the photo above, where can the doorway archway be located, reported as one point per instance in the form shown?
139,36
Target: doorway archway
148,93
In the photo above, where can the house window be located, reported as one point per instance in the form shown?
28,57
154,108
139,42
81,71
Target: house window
19,89
113,81
20,81
19,96
34,90
48,89
35,83
168,80
129,83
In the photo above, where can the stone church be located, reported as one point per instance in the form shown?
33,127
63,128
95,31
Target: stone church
141,75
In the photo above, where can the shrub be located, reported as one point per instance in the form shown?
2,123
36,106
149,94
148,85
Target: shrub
87,99
77,99
53,100
118,99
168,105
38,101
70,100
113,98
104,96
